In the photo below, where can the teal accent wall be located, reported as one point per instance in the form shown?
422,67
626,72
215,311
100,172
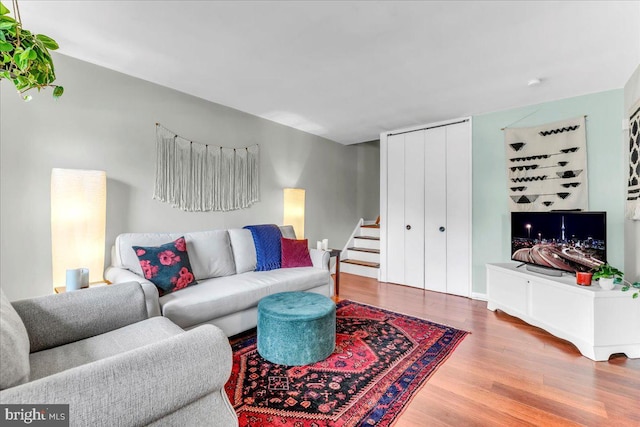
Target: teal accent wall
606,169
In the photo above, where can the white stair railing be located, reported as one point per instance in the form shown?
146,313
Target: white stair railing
350,241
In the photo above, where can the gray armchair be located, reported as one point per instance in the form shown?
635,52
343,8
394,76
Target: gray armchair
98,351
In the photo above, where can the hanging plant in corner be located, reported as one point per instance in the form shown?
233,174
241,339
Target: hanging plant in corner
25,58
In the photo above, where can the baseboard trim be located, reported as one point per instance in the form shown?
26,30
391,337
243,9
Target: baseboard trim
479,296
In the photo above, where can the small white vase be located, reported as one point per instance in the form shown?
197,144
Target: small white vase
606,283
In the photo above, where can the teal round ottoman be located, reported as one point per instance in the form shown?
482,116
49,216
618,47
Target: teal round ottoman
296,328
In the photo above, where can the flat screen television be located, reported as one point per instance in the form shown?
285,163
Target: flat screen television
563,240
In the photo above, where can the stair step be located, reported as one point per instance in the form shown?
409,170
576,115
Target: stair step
371,251
367,237
369,232
370,226
362,263
360,270
366,242
364,254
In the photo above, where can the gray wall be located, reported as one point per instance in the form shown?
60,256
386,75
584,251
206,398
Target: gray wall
368,175
106,120
631,228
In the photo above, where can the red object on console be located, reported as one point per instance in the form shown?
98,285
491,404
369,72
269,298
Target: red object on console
583,278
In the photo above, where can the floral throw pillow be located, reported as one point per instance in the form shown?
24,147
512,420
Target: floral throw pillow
166,266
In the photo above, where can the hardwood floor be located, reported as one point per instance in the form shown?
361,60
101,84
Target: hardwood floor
506,372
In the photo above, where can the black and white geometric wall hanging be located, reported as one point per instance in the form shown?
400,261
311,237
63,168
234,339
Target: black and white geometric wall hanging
633,192
547,166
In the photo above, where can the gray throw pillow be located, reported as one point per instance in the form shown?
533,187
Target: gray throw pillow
14,346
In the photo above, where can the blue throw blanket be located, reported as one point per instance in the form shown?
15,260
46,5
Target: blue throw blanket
267,239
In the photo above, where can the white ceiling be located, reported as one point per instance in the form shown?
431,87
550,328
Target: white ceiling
350,70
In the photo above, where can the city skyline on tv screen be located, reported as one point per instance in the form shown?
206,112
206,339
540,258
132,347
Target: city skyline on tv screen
580,226
570,241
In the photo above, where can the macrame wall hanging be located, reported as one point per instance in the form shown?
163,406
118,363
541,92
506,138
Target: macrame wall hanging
547,166
633,192
202,177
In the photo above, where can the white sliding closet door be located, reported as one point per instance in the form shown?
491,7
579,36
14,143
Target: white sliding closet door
414,209
458,160
406,209
435,208
395,211
425,192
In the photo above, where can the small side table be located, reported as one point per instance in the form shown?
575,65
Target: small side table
335,253
63,289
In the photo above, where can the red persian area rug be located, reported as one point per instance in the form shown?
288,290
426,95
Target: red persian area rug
380,361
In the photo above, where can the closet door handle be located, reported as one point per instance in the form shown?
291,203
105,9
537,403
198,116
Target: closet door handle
441,229
408,227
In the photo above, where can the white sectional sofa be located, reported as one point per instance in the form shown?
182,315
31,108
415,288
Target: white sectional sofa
223,263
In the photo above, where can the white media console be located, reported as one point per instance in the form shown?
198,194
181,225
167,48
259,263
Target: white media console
598,322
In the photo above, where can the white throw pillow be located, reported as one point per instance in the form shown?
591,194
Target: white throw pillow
210,253
244,250
288,232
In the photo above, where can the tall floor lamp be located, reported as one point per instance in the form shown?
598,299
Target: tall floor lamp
78,222
294,210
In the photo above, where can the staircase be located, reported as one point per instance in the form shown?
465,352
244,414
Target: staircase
361,256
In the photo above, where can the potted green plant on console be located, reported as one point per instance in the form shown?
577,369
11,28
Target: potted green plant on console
606,276
609,276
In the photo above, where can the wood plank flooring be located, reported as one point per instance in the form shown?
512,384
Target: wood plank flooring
506,372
